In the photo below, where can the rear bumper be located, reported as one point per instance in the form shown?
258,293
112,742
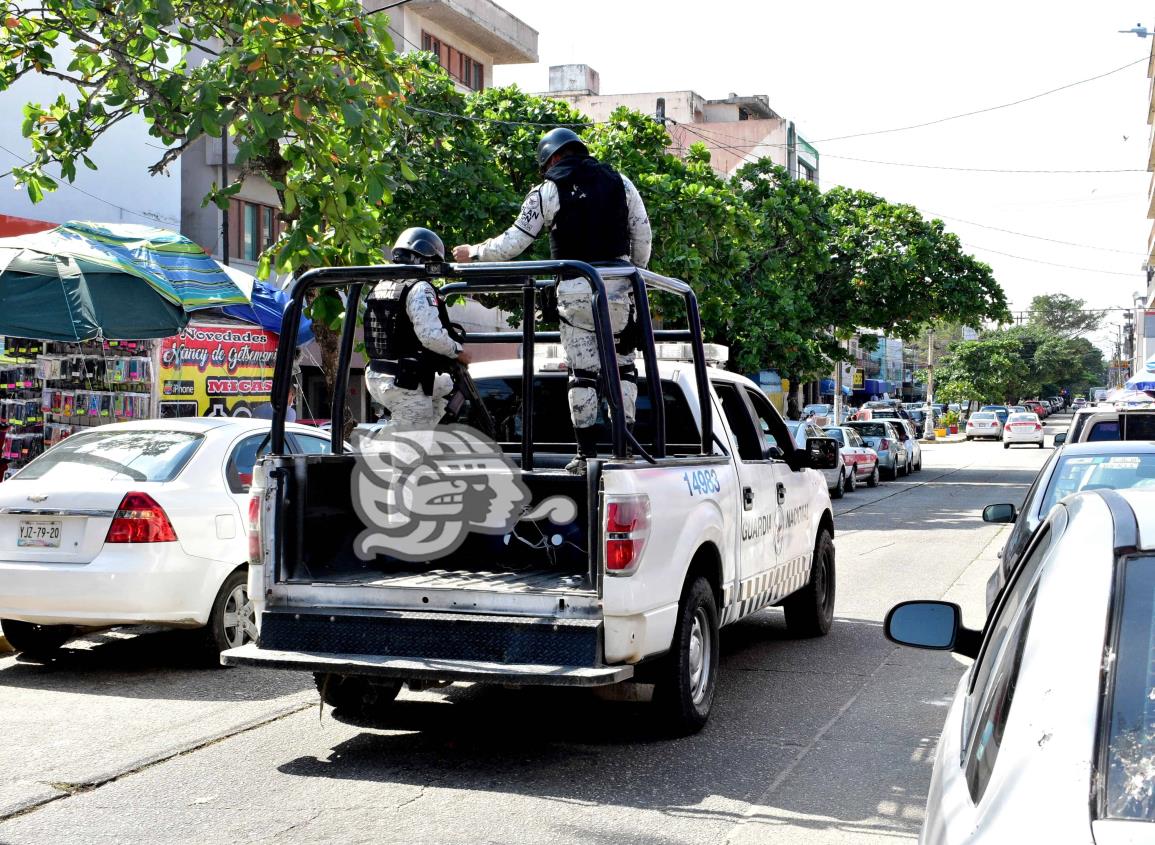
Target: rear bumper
1033,437
414,668
121,586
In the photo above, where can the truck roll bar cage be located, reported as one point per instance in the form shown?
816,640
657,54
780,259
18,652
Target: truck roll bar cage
507,277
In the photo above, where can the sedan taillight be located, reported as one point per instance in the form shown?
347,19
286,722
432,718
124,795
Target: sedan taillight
255,529
139,519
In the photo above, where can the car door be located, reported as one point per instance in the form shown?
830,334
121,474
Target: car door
757,556
794,492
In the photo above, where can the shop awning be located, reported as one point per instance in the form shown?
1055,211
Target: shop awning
81,281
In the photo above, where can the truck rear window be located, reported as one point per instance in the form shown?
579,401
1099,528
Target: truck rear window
551,418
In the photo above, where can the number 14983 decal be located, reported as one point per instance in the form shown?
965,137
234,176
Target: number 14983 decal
702,482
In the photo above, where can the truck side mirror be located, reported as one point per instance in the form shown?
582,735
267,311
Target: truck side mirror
822,453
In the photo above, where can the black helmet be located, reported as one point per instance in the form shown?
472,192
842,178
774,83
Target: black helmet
417,246
553,142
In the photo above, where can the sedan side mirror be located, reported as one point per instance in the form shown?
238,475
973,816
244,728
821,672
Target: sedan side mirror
1060,438
999,513
934,625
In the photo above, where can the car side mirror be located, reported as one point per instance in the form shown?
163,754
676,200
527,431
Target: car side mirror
999,513
934,625
822,453
774,453
1060,438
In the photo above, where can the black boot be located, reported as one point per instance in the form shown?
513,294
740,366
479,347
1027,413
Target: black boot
587,440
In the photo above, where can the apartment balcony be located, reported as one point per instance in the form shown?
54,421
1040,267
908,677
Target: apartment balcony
482,22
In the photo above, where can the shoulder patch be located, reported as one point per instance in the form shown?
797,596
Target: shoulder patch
530,220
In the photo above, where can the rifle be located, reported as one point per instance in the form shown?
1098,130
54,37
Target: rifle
465,388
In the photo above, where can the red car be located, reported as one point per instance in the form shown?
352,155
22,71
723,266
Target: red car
856,454
1036,407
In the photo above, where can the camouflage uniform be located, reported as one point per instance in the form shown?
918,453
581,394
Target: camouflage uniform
575,300
413,407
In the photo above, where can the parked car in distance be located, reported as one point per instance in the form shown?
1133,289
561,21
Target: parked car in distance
910,434
1099,424
840,479
1045,739
819,413
1023,428
1019,409
1037,407
916,410
884,439
1075,467
1001,411
1079,402
142,522
859,457
984,424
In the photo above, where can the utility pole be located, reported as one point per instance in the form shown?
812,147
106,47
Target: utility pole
838,390
225,184
928,420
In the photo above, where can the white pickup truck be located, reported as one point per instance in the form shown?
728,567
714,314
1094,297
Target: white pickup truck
716,515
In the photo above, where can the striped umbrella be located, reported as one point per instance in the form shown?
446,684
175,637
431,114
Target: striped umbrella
87,280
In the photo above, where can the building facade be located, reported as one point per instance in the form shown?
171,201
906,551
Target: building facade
736,128
1143,320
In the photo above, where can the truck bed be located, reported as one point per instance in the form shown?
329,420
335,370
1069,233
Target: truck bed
527,581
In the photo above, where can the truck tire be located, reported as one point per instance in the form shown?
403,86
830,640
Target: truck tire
685,682
36,640
810,611
355,695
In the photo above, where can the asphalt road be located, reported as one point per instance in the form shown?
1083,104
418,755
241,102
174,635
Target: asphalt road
126,738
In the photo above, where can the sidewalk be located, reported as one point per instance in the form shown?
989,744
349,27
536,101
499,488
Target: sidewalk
950,438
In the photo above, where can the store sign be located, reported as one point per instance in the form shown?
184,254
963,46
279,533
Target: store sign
859,376
216,370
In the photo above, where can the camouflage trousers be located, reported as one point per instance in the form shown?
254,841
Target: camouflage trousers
575,304
410,407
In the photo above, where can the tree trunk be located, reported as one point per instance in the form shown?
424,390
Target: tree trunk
793,405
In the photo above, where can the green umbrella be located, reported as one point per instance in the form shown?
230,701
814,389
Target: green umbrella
81,281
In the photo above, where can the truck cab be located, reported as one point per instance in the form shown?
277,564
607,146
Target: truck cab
704,513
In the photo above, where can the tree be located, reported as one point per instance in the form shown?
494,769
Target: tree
982,370
310,93
1064,314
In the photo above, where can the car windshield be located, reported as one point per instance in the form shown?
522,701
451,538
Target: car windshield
1023,418
140,454
982,416
836,433
869,429
1098,472
994,408
1130,722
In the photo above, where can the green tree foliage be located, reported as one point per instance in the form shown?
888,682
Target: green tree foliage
1020,362
1064,314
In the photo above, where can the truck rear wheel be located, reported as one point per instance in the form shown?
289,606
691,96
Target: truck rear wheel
355,695
810,611
685,684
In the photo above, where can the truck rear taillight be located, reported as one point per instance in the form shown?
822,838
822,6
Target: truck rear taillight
626,529
139,519
254,527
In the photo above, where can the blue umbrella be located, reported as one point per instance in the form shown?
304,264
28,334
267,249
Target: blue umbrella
1144,380
267,309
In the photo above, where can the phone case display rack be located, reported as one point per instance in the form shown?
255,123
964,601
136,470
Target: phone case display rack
51,390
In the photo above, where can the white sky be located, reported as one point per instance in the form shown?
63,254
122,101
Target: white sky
842,67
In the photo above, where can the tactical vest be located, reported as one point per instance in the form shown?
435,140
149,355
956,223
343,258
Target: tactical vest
593,221
389,334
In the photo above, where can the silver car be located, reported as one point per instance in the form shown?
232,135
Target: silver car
1051,733
882,436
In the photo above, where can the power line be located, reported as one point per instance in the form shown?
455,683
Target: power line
984,110
1052,263
1035,237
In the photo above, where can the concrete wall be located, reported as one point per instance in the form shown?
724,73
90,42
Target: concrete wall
681,106
733,144
120,191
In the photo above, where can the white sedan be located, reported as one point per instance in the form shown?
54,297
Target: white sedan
134,523
984,424
1023,428
1051,734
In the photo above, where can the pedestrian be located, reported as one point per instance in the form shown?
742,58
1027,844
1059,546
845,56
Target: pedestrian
409,338
264,411
592,213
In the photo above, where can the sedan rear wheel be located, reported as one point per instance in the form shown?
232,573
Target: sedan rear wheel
839,488
232,622
851,481
36,640
873,480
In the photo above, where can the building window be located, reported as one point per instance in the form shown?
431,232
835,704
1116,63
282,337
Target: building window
805,171
465,69
253,228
